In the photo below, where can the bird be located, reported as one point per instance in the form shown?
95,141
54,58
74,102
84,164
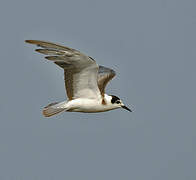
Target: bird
85,81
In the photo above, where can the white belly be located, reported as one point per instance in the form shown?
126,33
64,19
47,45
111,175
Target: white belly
87,105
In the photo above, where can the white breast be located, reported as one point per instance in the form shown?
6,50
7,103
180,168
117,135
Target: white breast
88,105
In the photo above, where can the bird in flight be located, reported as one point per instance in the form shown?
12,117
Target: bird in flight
85,81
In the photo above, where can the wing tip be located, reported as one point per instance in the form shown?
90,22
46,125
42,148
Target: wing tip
30,41
36,42
42,51
51,58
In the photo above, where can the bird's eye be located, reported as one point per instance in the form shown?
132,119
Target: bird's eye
117,102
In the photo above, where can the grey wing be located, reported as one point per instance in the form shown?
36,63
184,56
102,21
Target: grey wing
80,71
104,76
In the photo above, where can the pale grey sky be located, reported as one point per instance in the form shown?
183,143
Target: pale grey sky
152,47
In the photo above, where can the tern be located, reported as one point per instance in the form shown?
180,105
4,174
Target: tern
85,81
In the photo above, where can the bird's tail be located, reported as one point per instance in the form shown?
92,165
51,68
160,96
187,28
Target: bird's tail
54,108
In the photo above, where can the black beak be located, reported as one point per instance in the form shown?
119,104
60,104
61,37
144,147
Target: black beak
125,107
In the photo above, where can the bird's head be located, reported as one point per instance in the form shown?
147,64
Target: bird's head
117,103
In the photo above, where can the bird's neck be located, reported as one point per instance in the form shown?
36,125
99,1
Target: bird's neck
106,99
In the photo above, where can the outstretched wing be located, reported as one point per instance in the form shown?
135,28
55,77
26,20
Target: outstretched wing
104,76
80,71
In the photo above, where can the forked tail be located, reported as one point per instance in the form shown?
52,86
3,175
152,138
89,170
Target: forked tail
54,108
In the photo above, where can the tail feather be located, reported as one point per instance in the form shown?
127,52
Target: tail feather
53,108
